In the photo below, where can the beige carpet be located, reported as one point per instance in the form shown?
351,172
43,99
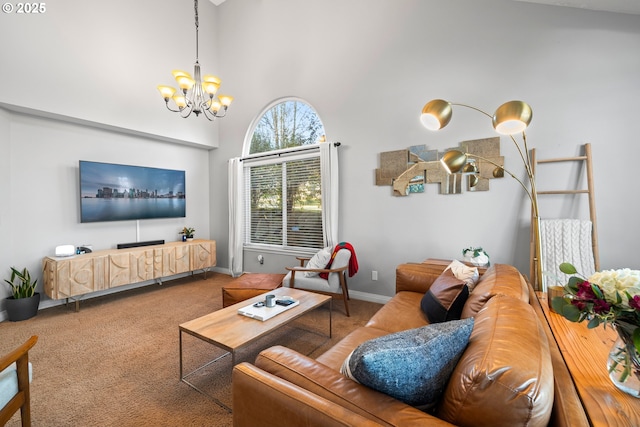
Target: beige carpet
116,361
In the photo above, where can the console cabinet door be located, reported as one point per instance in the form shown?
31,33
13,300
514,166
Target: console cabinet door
75,276
203,255
175,260
141,264
119,269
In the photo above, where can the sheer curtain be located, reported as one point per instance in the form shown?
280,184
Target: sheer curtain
329,187
236,215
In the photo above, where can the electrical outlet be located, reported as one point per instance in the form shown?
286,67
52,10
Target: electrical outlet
374,275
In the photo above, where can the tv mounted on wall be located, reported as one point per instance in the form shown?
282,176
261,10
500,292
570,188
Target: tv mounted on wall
112,192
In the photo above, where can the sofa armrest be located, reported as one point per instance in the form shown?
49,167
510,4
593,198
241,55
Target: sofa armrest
416,277
329,384
260,398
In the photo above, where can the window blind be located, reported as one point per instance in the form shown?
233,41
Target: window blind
284,204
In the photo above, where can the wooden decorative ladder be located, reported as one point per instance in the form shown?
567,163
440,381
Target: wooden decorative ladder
587,159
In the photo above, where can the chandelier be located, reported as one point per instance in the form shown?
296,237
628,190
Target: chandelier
196,95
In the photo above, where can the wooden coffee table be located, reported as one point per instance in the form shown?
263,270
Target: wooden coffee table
231,331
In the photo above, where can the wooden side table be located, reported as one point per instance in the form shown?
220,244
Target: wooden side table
585,353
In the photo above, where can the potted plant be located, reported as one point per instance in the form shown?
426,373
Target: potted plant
187,233
476,256
24,301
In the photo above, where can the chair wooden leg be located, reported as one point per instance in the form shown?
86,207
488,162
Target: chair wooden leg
346,285
345,293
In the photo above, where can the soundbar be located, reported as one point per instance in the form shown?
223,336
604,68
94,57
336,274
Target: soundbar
136,244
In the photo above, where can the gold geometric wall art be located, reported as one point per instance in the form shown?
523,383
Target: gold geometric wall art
408,171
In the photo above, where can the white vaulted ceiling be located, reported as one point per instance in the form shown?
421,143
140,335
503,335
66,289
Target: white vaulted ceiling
619,6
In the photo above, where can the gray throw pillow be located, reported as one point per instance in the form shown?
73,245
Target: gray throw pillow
412,366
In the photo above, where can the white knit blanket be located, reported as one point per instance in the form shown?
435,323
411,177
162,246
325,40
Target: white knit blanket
565,240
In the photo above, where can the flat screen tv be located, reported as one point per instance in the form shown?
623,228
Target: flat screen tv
112,192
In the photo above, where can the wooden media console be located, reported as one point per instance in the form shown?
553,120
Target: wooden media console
68,277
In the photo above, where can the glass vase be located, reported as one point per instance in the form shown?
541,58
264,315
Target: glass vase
624,362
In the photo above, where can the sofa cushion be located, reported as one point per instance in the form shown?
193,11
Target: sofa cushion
334,357
469,274
414,365
505,376
499,279
445,298
400,313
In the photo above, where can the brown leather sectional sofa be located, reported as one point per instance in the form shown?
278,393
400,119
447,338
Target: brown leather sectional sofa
505,376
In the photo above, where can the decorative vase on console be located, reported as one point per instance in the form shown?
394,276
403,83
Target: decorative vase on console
624,360
609,297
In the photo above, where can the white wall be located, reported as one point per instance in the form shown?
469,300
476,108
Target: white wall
100,61
368,67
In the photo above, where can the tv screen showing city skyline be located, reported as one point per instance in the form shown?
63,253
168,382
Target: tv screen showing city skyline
114,192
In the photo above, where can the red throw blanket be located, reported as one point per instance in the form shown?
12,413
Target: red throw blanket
353,261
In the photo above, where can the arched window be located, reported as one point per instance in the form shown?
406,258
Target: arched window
282,178
285,124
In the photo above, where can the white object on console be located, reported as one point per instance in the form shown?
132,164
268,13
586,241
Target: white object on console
65,250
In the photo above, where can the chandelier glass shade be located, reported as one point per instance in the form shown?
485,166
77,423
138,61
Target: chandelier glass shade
196,94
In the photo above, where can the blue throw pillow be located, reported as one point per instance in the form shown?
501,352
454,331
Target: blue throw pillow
412,366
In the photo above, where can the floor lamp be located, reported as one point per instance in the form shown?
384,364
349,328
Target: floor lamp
510,118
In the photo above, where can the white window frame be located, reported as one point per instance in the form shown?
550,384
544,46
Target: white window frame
270,158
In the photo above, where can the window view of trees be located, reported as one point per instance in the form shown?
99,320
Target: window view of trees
285,202
287,124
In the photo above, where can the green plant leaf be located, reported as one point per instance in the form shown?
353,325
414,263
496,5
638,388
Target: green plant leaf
573,283
558,303
26,288
568,268
636,339
593,323
597,291
571,313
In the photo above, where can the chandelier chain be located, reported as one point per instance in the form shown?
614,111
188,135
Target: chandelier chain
195,5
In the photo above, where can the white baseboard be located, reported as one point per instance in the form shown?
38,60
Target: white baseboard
366,296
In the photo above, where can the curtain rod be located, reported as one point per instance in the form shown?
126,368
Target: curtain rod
335,144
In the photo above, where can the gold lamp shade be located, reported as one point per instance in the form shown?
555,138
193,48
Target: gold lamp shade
512,117
453,161
436,114
470,168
